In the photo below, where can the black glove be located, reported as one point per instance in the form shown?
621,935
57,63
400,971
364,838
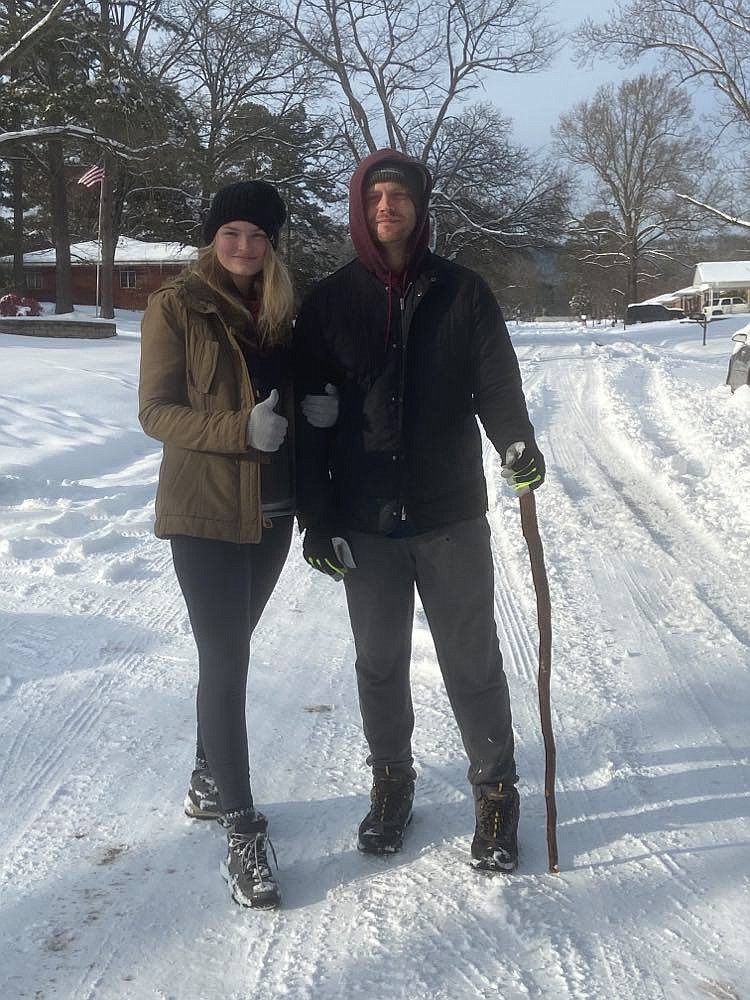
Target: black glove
524,466
318,550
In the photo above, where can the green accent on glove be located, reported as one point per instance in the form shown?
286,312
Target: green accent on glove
327,567
526,476
318,551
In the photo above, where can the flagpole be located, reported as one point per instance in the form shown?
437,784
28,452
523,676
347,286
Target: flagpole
99,246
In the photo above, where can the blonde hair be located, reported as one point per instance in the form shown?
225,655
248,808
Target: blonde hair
272,285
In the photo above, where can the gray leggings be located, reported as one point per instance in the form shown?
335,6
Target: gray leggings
453,572
226,587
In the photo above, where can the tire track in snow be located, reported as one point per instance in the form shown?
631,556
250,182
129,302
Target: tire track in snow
566,457
664,504
579,961
712,466
652,601
39,773
682,890
68,719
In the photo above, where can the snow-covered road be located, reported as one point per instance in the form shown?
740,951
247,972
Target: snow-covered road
110,893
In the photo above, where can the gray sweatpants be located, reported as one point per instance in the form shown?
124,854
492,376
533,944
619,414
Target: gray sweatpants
453,572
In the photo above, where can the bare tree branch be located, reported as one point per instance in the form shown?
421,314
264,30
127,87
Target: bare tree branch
734,219
46,132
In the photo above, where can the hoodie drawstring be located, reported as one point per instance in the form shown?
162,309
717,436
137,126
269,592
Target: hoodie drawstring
388,318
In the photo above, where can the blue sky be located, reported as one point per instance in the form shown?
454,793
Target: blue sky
535,101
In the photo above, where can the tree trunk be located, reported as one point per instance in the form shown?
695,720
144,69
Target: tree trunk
60,231
59,200
632,286
106,205
19,279
108,240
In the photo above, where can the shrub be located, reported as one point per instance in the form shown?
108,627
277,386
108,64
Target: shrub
14,305
9,304
31,306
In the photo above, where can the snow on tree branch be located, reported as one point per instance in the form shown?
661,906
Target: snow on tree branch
734,219
28,40
45,132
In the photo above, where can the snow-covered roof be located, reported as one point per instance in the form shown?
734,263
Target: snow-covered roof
128,251
723,274
672,296
660,299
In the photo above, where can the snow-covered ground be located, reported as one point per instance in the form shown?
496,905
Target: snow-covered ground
110,892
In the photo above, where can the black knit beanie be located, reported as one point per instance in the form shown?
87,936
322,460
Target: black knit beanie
399,173
247,201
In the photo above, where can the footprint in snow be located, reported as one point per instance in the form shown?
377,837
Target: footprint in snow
122,571
65,568
71,524
27,548
110,541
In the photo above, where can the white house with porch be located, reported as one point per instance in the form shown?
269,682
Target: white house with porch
719,288
724,286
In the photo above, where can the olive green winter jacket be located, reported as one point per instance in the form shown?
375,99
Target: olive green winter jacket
196,397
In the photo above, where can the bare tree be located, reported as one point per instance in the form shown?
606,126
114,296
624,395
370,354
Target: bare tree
231,54
398,62
640,146
489,192
401,71
593,270
701,41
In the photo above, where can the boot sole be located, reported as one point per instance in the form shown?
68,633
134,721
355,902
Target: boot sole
489,866
195,812
368,848
270,901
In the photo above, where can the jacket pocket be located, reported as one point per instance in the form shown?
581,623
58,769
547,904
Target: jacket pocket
203,369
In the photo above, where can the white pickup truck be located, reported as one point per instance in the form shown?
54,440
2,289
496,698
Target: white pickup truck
726,306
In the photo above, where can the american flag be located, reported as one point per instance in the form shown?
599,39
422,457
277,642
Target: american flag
93,176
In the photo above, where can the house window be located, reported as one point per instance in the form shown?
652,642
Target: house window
127,279
34,280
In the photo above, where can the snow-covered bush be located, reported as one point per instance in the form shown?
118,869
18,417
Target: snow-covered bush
32,307
14,305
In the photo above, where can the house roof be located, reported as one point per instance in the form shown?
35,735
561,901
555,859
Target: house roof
723,274
128,251
673,296
659,300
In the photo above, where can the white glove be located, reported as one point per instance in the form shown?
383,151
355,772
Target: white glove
342,550
512,455
322,411
266,429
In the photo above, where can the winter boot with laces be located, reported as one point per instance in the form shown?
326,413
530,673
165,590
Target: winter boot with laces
246,868
495,844
202,799
391,799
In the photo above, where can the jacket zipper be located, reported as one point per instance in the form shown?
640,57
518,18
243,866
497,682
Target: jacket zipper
244,469
402,391
401,395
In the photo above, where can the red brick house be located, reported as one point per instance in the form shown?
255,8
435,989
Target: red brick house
140,268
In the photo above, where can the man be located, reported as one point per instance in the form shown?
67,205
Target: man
417,348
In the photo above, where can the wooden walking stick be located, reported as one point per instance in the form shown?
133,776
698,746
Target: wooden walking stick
530,527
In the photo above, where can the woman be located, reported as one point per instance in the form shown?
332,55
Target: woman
215,388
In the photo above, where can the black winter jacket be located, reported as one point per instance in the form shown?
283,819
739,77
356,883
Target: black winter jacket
412,373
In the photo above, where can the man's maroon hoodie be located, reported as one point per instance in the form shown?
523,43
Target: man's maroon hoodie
367,249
